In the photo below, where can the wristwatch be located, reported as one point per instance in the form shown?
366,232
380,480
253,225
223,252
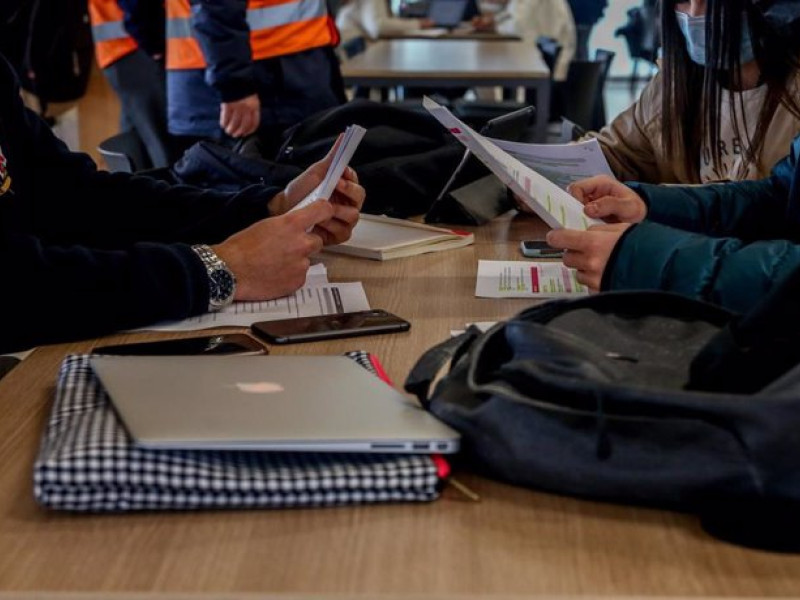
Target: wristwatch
221,280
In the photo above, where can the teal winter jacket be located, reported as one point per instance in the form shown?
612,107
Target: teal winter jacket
725,243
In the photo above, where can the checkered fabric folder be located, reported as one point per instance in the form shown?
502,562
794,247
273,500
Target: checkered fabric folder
88,462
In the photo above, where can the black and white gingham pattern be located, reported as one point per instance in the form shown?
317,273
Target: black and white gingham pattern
87,462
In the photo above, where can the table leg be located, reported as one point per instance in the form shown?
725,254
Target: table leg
542,88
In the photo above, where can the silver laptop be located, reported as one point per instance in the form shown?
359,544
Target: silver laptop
447,13
297,403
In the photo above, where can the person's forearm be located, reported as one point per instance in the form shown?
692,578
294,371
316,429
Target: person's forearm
114,209
749,210
68,293
724,271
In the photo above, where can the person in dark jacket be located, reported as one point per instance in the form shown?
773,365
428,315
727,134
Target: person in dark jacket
86,252
728,244
236,67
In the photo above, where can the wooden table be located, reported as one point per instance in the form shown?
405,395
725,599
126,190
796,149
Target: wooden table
454,63
513,543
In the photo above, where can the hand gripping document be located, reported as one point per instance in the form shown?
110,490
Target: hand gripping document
555,206
352,137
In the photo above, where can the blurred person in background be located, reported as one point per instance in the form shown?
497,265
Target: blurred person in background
238,67
530,20
129,48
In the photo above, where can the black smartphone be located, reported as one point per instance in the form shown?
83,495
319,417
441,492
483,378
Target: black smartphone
326,327
229,343
539,249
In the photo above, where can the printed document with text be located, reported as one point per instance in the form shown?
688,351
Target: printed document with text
552,204
524,279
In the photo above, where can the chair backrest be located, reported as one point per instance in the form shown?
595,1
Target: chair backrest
550,50
606,57
581,91
124,152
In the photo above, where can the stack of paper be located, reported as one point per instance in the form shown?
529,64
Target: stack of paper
384,238
352,137
555,206
560,163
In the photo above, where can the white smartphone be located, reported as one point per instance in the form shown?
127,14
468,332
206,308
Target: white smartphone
539,249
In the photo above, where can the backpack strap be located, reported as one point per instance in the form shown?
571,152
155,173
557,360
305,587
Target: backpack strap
431,363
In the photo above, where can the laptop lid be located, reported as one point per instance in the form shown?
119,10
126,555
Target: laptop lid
447,13
286,403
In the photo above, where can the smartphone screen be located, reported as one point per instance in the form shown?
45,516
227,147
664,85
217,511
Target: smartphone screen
539,249
325,327
232,343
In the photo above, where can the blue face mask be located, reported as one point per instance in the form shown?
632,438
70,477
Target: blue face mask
694,30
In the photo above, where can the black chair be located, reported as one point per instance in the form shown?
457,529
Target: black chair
641,35
580,92
124,152
606,57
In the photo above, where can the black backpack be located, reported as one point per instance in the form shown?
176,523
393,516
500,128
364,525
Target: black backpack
403,162
49,43
637,397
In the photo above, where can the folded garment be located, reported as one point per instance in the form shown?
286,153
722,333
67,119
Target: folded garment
88,462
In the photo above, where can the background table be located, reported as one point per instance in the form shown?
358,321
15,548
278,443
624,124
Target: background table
454,63
514,542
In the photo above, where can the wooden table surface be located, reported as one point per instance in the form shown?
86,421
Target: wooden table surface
447,62
513,543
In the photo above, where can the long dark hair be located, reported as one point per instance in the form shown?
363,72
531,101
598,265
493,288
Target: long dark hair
693,95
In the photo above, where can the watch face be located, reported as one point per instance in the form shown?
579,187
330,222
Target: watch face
222,286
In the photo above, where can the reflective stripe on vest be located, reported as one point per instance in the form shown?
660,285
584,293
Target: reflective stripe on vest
277,28
111,41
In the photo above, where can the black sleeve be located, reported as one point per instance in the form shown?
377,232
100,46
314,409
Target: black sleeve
145,21
55,294
73,202
224,36
86,253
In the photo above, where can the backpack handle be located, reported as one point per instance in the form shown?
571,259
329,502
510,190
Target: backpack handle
430,364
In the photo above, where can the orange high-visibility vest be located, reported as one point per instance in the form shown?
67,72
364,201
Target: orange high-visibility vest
277,28
111,41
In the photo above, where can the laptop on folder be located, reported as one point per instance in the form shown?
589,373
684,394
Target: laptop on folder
447,13
280,403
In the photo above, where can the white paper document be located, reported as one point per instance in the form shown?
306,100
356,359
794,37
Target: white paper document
308,301
560,163
555,206
316,275
350,141
524,279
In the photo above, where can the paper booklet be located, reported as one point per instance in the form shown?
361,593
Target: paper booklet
352,137
555,206
384,238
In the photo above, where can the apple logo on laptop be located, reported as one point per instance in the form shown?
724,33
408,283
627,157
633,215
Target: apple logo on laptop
260,387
